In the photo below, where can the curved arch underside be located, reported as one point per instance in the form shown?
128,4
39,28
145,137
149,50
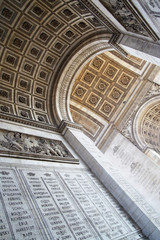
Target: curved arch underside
35,46
147,125
68,76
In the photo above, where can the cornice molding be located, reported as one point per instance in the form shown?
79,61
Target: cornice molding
65,125
103,19
28,122
113,42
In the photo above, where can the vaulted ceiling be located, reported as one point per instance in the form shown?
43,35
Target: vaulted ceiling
36,37
102,89
39,37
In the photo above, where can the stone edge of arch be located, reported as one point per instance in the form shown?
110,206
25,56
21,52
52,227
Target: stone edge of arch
137,120
61,95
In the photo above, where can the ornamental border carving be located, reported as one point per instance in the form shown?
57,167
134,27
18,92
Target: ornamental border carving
28,122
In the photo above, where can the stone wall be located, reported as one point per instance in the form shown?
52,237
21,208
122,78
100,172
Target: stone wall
64,203
45,199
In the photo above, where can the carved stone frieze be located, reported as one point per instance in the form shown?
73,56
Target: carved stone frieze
124,15
127,130
152,8
14,143
154,90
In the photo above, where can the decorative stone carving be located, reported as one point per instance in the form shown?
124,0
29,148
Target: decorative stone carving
34,51
80,92
54,23
124,15
110,71
40,118
37,10
6,77
106,108
23,83
106,88
22,99
152,8
97,63
67,12
93,100
149,125
7,13
69,34
5,109
115,94
38,105
127,129
17,42
10,59
4,93
102,86
154,90
43,74
39,90
82,25
18,142
24,114
88,77
49,59
27,67
125,80
35,31
27,26
58,45
43,36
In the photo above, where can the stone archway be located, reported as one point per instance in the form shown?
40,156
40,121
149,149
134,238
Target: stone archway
61,94
146,126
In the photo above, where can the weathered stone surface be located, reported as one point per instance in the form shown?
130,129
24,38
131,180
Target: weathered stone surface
60,204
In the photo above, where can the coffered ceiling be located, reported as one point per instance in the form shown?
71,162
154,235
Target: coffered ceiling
150,127
35,37
102,90
103,85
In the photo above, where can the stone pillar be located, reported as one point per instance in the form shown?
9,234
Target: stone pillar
141,48
131,200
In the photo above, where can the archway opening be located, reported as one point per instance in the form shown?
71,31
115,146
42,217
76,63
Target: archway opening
147,128
102,90
61,93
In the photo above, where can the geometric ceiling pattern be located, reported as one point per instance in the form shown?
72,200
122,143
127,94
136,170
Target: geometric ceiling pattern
150,127
103,85
35,36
